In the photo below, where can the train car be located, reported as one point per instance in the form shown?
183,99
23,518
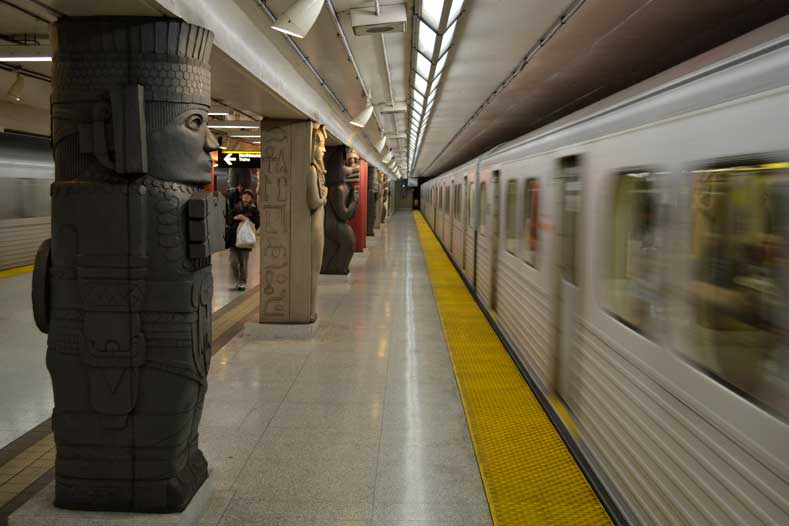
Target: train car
26,172
636,257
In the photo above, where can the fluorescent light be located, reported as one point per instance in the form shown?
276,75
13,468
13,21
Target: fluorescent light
234,125
426,40
454,11
360,121
299,18
436,80
25,59
422,65
446,39
431,98
431,11
441,63
218,114
420,84
418,97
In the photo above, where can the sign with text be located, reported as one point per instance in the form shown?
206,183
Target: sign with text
239,159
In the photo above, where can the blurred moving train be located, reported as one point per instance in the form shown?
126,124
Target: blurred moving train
635,257
26,172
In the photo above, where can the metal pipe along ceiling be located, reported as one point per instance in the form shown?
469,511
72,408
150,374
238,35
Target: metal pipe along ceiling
253,49
341,33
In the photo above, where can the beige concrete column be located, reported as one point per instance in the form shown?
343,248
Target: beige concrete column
291,199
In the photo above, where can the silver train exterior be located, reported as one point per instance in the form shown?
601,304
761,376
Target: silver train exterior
26,173
634,255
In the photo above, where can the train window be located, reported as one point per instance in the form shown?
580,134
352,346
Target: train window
469,203
739,284
531,221
636,242
511,232
483,204
458,201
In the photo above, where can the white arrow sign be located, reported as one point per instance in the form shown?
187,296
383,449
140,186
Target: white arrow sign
229,159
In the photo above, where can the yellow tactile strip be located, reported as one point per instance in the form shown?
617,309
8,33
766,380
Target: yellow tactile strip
529,475
15,271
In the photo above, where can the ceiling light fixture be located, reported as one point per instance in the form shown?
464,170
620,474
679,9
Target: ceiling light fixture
15,91
360,121
298,19
25,59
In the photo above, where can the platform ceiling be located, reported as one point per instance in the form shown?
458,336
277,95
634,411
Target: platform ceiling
487,95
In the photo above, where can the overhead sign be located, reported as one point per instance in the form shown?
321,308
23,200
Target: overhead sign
239,159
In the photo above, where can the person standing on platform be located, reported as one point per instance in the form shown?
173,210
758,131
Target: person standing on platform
234,197
244,210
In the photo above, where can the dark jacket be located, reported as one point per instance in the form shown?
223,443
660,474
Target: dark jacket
233,198
250,211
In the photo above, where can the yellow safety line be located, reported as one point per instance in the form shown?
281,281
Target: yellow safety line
15,271
26,467
529,475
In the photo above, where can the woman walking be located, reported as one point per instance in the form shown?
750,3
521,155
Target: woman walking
244,210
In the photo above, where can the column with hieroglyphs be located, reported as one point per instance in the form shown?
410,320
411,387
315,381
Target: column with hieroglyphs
291,200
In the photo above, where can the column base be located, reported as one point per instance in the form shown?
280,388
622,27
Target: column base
279,331
334,279
41,511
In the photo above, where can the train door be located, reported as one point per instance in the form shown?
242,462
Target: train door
450,215
487,246
569,186
465,212
494,249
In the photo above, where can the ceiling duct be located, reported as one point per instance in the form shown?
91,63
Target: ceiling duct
391,20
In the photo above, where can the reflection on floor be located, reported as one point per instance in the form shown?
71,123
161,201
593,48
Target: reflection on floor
25,389
361,425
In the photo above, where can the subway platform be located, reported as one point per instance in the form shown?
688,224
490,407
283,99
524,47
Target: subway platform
364,424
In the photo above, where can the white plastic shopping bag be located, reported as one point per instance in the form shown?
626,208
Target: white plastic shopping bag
245,235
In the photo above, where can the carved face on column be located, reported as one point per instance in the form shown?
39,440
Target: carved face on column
319,146
180,151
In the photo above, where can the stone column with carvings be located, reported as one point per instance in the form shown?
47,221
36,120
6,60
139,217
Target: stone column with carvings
292,196
124,286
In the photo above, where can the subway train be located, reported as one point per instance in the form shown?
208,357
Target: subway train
26,172
634,256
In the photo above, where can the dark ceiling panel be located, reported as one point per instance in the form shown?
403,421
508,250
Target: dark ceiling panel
607,46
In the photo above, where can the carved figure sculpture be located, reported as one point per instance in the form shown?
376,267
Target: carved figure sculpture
385,203
372,194
342,202
124,287
316,200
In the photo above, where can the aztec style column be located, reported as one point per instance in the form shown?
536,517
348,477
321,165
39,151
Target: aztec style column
342,204
379,198
359,220
292,196
372,178
124,286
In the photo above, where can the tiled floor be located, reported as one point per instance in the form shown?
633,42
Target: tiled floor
362,425
25,389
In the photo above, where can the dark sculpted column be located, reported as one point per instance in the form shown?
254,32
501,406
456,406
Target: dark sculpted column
124,287
372,195
342,202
